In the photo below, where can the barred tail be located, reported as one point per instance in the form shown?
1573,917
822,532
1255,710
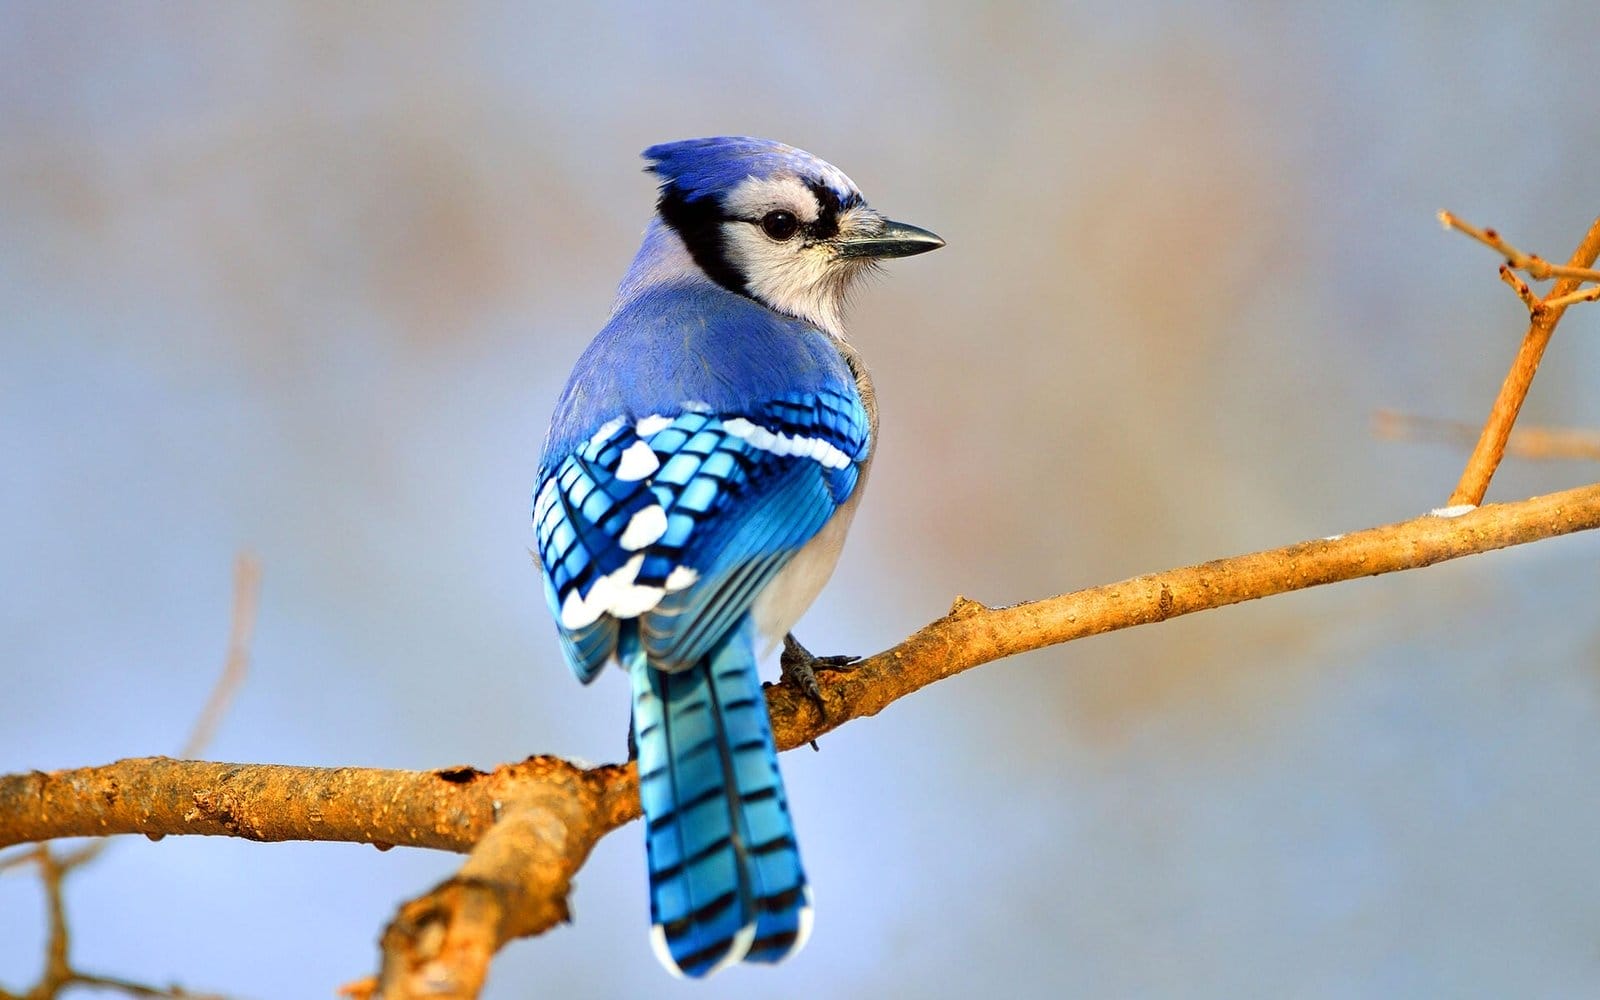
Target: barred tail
725,878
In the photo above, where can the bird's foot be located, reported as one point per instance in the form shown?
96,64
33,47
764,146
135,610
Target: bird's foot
800,669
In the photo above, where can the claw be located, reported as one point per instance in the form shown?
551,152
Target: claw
800,668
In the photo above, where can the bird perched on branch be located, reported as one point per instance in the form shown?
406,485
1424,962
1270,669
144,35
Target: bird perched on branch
698,477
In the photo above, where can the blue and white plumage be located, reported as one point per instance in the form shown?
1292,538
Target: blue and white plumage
700,472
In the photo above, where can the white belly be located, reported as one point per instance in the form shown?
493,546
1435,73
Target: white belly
791,592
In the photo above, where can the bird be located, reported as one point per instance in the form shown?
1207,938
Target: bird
699,474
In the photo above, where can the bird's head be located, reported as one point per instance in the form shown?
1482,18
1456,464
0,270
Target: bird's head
776,223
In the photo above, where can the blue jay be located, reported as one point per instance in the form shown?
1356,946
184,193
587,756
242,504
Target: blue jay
698,477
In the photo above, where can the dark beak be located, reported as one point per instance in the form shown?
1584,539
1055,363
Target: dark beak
895,239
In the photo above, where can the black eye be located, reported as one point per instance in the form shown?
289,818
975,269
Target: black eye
780,225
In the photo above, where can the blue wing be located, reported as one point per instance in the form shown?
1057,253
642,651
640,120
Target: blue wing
679,520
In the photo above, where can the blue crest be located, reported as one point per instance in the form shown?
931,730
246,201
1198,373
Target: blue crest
710,166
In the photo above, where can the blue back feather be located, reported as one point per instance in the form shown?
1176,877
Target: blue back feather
687,342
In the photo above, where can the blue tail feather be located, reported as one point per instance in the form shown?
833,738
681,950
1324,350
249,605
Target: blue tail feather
725,877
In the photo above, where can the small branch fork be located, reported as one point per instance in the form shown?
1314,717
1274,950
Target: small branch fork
527,828
1544,314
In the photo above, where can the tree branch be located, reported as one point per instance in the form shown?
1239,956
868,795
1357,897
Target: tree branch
449,809
530,826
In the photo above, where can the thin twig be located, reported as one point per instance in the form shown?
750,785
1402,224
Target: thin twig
246,595
1537,267
134,989
1562,301
1521,288
17,859
1538,443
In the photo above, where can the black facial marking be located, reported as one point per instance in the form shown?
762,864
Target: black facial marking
829,207
699,223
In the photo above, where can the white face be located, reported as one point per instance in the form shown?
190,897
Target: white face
783,266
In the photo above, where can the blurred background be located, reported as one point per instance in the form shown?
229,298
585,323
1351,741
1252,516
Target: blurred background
306,278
